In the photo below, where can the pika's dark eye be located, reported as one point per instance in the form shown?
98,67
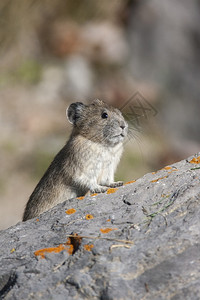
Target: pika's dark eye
104,115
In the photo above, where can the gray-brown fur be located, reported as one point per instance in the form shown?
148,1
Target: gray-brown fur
88,160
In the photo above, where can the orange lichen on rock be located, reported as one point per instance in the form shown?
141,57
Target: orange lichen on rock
167,168
81,198
195,160
155,180
41,253
130,182
95,194
89,217
71,246
88,247
108,220
70,211
37,220
106,230
111,190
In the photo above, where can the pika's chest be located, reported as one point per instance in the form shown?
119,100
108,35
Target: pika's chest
104,158
96,159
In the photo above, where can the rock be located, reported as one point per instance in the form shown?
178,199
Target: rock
164,40
104,42
140,241
78,77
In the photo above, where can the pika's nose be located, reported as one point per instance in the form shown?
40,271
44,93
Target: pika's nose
122,126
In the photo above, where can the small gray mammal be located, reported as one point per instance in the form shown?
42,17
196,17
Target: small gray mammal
88,160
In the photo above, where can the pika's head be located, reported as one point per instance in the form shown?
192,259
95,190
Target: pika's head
98,122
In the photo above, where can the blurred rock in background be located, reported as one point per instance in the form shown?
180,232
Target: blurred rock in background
55,52
164,38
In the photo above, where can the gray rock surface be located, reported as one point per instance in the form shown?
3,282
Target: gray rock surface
158,216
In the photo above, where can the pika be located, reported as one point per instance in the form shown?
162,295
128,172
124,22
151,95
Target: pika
88,160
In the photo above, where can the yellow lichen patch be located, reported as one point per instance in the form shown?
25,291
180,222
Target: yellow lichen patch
130,182
70,211
81,198
89,217
13,250
155,180
106,230
111,190
41,253
195,160
95,194
88,247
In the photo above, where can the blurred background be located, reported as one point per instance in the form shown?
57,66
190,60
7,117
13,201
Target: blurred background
54,52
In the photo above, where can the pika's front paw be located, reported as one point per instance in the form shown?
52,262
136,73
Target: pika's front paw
99,189
116,184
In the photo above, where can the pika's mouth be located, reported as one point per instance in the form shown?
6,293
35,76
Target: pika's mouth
119,135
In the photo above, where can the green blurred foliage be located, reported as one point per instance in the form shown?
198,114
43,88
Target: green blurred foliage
28,72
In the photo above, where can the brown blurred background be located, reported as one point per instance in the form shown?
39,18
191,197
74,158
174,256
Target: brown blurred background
54,52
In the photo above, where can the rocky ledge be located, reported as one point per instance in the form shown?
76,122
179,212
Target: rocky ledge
140,241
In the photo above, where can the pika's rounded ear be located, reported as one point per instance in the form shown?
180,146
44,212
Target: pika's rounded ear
74,111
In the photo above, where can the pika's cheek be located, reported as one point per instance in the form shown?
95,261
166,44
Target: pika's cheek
108,130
